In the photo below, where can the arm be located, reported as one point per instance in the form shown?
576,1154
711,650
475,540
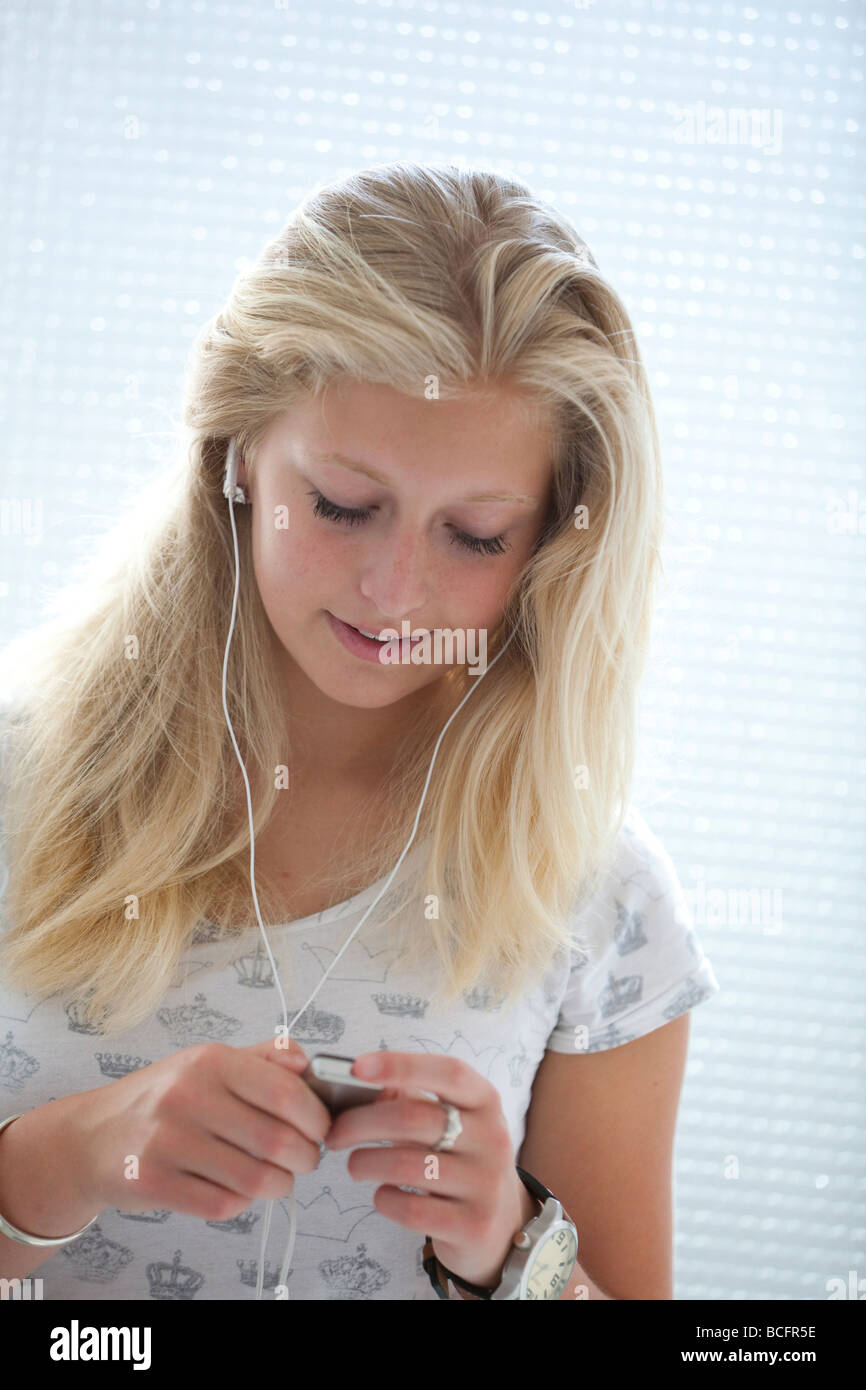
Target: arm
600,1135
42,1186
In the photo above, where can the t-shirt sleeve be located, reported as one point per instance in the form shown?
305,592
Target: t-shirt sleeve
642,963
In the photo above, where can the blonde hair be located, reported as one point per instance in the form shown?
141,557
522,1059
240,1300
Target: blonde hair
123,779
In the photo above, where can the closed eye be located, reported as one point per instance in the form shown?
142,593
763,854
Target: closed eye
355,516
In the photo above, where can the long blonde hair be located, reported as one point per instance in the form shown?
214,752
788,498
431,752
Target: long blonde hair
123,784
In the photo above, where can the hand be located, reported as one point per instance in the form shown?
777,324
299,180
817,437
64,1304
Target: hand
211,1128
473,1200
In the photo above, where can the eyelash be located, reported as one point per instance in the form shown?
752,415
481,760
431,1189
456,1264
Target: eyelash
354,516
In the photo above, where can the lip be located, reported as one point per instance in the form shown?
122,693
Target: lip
371,628
367,648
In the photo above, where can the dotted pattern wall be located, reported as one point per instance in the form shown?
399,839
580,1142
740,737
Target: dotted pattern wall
710,154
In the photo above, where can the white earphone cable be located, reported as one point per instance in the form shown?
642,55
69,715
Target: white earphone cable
229,490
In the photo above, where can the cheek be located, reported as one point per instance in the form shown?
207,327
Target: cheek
488,594
292,560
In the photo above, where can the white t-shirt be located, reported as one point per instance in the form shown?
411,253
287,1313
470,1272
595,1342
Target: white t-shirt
648,967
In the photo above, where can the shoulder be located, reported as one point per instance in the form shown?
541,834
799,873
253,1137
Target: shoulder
637,961
637,885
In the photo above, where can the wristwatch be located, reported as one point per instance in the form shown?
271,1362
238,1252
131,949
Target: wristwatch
540,1265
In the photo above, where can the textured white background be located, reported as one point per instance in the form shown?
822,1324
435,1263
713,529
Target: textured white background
149,148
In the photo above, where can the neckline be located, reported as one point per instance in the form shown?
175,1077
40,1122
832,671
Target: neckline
348,905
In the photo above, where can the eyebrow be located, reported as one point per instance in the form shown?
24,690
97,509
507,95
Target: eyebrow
522,497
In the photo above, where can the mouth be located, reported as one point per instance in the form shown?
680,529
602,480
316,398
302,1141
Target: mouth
373,648
365,632
374,636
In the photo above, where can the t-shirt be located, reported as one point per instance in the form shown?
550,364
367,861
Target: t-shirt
646,968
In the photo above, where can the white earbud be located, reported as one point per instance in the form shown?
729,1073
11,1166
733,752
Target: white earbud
231,490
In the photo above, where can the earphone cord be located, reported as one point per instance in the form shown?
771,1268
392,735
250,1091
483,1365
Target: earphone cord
287,1027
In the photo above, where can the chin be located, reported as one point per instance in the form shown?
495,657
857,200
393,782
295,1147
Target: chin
382,688
366,688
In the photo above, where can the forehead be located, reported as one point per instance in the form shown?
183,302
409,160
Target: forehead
497,433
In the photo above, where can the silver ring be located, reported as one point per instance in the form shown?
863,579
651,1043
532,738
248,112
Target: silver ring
453,1129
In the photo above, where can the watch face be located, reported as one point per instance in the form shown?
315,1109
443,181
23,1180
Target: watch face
553,1265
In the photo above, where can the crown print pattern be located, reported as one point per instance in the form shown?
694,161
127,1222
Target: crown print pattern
636,962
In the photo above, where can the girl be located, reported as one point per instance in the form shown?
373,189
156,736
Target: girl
443,437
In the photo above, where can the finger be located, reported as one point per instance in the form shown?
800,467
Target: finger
449,1078
271,1089
401,1093
395,1121
233,1168
451,1176
283,1050
255,1132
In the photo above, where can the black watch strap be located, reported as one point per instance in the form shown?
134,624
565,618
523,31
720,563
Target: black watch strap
437,1272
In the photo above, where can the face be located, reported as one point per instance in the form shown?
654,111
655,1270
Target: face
421,552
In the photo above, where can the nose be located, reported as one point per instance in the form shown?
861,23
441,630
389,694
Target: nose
395,579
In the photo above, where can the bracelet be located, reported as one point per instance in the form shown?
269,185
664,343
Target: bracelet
7,1229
